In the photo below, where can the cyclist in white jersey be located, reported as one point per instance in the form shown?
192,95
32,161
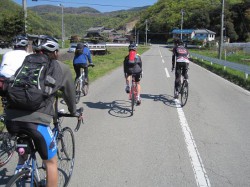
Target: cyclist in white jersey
12,60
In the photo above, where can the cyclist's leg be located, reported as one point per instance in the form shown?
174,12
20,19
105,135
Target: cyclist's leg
127,81
86,70
137,80
185,70
51,171
77,69
177,76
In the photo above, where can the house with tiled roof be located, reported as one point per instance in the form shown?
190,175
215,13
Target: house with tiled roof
204,34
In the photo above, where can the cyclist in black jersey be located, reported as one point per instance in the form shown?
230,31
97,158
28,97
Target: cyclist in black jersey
180,61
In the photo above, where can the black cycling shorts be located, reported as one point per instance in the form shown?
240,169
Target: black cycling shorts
41,135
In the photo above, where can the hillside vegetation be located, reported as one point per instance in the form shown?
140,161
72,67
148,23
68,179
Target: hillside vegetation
162,18
165,15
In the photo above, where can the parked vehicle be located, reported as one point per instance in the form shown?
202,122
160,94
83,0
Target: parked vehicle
72,48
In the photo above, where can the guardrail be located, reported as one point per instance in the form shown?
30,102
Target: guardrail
232,65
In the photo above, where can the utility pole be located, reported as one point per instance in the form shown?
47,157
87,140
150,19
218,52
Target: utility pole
146,32
62,27
182,13
135,34
25,15
221,30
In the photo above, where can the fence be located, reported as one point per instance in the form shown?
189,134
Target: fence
232,65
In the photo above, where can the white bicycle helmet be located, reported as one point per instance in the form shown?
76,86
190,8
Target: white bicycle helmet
20,41
86,44
48,43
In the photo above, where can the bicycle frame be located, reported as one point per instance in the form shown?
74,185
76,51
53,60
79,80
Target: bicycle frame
133,93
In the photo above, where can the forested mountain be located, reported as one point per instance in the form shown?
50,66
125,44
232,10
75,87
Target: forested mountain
165,15
46,19
162,18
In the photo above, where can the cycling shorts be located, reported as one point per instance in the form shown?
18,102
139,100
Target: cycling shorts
137,76
42,136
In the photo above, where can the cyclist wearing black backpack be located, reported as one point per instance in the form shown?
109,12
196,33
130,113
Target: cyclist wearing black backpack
24,117
180,61
81,59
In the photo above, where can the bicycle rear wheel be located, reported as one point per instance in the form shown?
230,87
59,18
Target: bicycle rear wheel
22,179
184,93
78,90
66,156
7,148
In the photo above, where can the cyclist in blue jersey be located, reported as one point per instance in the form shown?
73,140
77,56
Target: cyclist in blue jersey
81,59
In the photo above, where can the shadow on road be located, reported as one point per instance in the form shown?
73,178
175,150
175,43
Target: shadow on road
118,108
4,177
164,98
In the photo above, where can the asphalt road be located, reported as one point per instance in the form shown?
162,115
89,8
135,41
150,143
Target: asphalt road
205,143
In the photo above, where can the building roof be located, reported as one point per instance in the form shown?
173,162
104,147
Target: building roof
183,31
203,31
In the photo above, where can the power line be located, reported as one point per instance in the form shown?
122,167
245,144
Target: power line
70,2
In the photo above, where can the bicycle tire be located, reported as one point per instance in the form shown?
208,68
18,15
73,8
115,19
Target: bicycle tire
184,93
78,90
22,179
7,148
66,156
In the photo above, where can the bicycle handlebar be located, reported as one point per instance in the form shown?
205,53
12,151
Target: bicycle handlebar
78,115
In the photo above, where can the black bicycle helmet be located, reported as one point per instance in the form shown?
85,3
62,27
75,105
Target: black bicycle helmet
132,46
20,41
178,41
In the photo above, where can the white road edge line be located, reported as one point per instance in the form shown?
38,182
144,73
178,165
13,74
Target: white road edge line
196,162
167,74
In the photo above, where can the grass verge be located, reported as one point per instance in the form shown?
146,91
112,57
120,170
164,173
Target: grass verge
234,76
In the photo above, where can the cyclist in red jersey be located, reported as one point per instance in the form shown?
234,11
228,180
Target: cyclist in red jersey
133,65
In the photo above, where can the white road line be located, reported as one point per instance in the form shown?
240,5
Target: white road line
163,61
196,162
167,74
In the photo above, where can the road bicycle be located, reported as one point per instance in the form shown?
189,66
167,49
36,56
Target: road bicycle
182,91
32,173
7,142
82,85
133,93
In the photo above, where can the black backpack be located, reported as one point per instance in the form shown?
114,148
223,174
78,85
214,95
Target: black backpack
32,83
79,49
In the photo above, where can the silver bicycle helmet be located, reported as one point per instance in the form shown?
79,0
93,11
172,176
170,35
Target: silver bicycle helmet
48,43
86,44
20,41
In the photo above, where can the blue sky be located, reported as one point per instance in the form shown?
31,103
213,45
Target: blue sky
100,5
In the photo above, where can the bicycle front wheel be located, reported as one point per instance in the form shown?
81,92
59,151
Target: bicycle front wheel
7,148
78,90
66,156
184,93
22,179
